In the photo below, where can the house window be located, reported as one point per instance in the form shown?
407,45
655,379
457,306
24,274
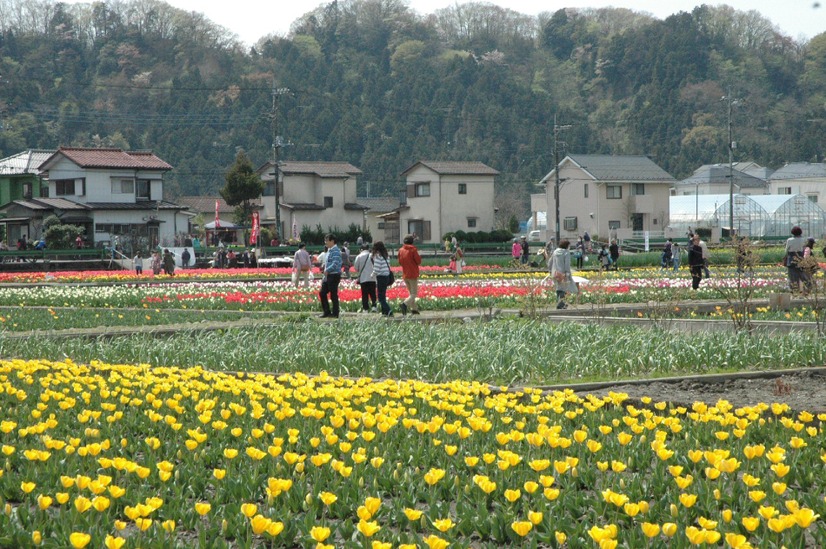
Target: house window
143,189
423,189
569,224
613,225
64,187
27,190
123,186
638,189
812,197
613,191
471,222
462,188
585,190
784,190
328,201
380,226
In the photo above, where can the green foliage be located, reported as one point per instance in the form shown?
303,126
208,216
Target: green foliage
382,88
243,186
498,235
59,236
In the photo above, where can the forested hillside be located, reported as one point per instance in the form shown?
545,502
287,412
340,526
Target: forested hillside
372,83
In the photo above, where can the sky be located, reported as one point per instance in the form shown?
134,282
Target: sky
247,19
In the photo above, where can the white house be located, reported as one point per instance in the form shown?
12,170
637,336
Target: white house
116,195
608,196
804,178
444,197
311,194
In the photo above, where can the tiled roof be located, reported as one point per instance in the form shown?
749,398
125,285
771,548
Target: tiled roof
354,206
800,170
302,206
206,204
455,168
381,204
108,158
26,162
719,173
51,204
143,205
321,169
617,169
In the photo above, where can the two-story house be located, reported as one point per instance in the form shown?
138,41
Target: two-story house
20,180
111,193
310,194
607,195
445,197
804,178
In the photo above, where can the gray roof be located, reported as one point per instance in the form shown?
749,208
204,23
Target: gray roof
381,204
618,169
455,168
26,162
719,173
800,170
320,169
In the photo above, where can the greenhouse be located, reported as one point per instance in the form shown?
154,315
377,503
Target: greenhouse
755,216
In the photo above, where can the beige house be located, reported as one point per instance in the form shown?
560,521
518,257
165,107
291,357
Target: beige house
311,194
376,218
801,178
608,196
445,197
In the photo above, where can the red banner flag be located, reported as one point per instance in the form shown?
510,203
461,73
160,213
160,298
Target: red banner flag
255,228
217,220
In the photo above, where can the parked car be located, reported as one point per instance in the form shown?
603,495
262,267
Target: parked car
534,236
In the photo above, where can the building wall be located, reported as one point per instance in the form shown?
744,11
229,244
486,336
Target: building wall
596,212
446,209
99,183
814,188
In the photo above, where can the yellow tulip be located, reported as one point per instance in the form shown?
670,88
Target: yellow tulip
44,502
37,537
688,500
805,517
561,537
79,540
368,528
737,541
328,498
259,524
650,529
319,533
168,525
27,487
512,495
435,542
113,542
412,514
202,508
249,509
522,527
143,523
669,529
750,523
535,517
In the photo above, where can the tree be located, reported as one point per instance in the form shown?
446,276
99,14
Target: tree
59,236
243,185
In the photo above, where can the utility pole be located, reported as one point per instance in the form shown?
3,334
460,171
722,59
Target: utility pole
277,143
731,146
557,181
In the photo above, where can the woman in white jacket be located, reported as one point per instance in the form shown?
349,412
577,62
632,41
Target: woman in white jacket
560,267
366,278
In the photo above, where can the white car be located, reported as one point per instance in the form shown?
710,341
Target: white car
533,236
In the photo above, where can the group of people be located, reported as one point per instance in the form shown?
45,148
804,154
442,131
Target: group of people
372,267
801,269
521,250
160,261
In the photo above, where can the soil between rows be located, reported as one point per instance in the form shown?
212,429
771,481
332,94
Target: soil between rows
802,391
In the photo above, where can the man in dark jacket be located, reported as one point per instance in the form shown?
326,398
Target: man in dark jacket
695,261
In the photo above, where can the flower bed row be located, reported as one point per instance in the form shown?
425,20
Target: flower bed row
128,455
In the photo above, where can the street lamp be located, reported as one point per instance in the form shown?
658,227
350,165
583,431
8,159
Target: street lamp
557,181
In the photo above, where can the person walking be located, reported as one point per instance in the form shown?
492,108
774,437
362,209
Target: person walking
331,278
516,250
613,249
345,260
675,255
168,262
137,261
579,252
381,268
808,266
560,269
695,261
409,259
366,278
668,251
794,254
526,251
301,265
459,254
